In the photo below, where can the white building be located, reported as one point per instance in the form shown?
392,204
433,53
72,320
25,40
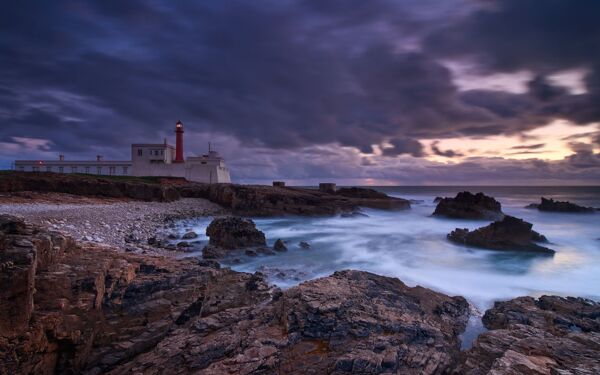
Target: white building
162,160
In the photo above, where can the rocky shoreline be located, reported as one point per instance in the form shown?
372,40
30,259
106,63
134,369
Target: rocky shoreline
76,307
124,224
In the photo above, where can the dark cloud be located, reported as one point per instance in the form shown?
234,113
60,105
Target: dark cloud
447,153
401,146
93,76
529,147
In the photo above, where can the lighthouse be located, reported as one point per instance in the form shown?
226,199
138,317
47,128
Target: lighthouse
178,142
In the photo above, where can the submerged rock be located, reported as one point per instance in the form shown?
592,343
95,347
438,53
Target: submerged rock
353,214
469,206
508,234
551,205
189,235
279,245
550,335
304,245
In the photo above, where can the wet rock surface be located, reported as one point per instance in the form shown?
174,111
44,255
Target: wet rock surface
510,233
469,206
550,335
550,205
234,233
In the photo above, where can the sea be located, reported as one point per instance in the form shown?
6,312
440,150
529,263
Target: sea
412,246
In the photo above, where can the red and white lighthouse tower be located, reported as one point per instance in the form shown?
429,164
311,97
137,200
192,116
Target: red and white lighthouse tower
178,142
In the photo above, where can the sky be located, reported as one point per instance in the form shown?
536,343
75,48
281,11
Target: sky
402,92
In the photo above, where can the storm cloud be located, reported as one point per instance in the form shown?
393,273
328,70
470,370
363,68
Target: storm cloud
89,77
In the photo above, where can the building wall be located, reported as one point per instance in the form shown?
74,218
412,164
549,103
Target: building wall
111,168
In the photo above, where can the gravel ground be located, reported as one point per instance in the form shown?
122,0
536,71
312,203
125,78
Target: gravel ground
126,225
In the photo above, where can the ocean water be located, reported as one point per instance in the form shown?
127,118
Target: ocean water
412,246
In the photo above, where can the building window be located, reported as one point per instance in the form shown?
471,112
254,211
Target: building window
73,169
99,170
111,171
36,169
61,169
162,152
48,168
87,170
124,170
139,152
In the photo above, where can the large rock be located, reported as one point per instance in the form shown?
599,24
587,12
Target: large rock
469,206
232,233
508,234
551,335
258,200
350,322
551,205
67,308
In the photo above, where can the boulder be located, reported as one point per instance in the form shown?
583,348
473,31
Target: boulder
510,233
304,245
232,233
469,206
189,235
279,245
549,335
437,199
550,205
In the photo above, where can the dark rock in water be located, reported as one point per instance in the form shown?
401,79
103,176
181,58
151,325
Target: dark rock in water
171,247
469,206
353,214
251,253
551,335
508,234
437,199
279,245
172,236
232,233
532,206
304,245
189,235
184,244
551,205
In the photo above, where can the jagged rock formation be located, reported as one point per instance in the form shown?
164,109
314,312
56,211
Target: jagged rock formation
508,234
469,206
233,233
551,205
552,335
351,322
256,200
